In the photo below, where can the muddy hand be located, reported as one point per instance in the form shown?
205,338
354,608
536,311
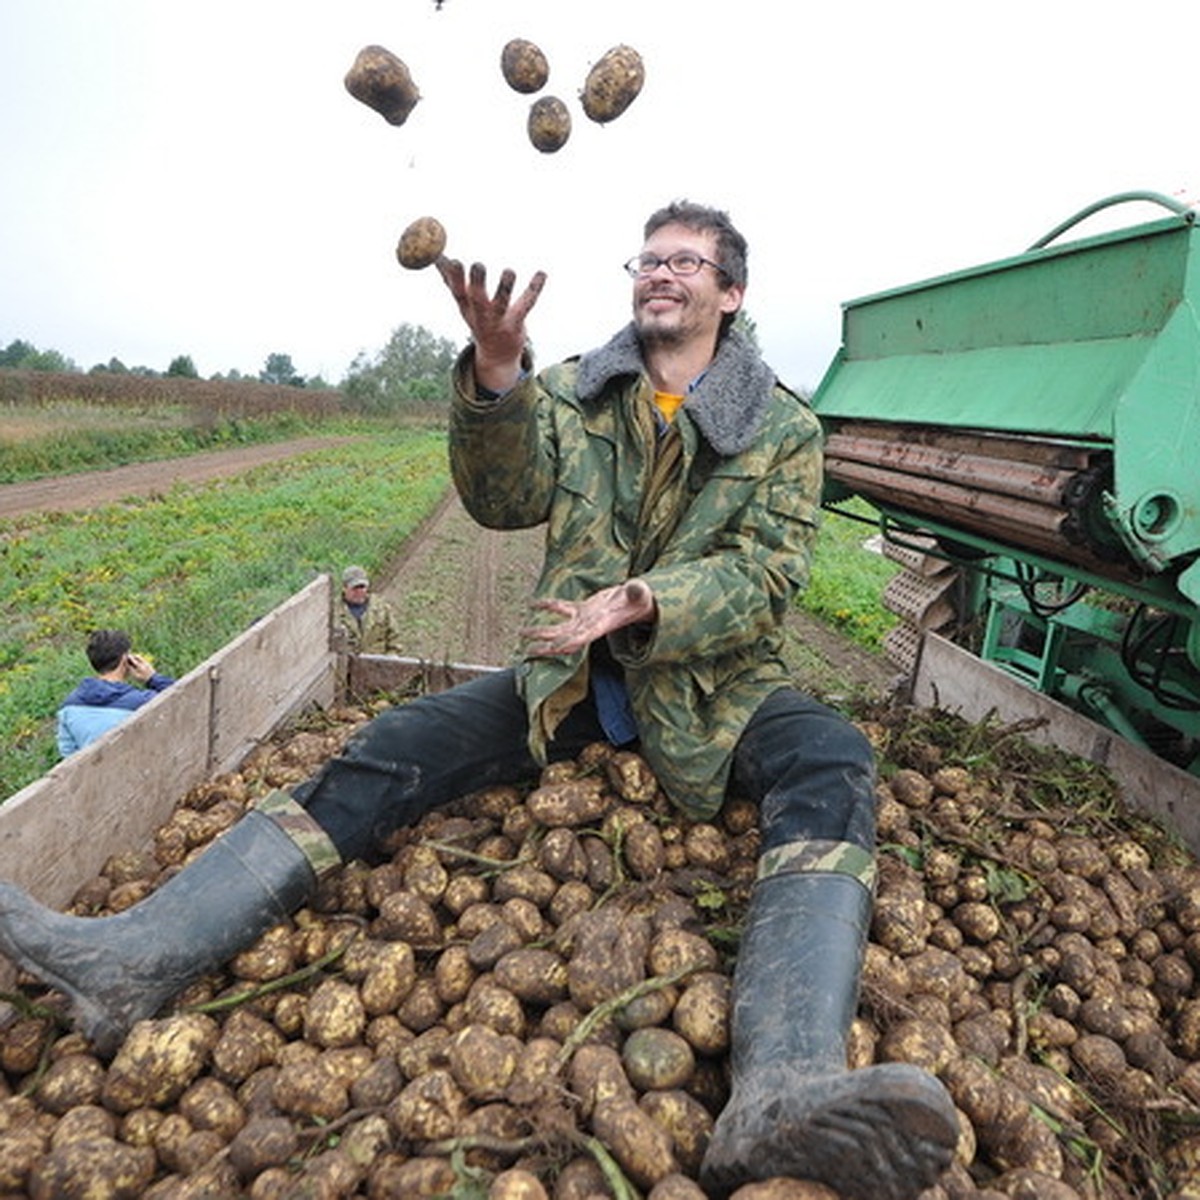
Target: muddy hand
583,622
496,322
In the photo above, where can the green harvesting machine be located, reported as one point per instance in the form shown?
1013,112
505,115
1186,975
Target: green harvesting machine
1033,426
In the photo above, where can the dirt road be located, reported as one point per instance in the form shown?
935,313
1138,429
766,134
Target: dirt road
73,493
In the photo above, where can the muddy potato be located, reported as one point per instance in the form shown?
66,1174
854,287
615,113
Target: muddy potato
334,1015
310,1089
657,1059
613,84
676,1187
389,979
421,245
923,1043
407,917
158,1060
644,851
650,1008
395,1175
596,1073
524,66
210,1104
453,974
701,1013
688,1122
429,1108
533,975
483,1061
549,124
676,950
609,956
561,855
569,802
20,1150
92,1169
382,81
75,1079
635,1140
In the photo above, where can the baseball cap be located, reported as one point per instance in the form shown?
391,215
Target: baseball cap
354,575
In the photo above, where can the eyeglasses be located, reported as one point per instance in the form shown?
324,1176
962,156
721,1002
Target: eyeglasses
682,262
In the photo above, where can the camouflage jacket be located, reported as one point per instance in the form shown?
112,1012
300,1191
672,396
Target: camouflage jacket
718,516
377,633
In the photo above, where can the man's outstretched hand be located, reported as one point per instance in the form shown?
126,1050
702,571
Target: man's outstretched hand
584,621
496,322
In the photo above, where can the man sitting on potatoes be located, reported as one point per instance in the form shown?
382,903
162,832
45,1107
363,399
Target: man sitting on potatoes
679,483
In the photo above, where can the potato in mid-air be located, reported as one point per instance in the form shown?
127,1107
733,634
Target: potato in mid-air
524,66
421,243
613,84
382,82
549,124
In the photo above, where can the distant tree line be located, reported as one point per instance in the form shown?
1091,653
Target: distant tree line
414,367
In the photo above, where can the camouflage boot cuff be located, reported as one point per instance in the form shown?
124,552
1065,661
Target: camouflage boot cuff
311,840
819,856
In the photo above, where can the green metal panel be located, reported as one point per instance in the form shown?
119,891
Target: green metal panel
1045,342
1095,341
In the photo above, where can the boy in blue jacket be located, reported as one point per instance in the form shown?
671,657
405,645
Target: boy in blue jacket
106,698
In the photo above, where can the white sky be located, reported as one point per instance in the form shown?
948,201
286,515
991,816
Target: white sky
187,178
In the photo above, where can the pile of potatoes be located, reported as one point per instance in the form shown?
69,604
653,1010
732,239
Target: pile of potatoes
528,997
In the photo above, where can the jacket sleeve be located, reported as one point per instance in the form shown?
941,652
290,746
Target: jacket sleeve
502,453
725,593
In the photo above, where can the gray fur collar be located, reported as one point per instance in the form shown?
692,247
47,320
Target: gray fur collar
729,402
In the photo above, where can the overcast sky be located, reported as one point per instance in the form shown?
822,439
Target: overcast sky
193,178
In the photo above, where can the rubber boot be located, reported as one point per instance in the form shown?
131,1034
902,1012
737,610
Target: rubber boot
117,970
884,1132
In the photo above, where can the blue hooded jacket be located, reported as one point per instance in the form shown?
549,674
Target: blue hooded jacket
96,705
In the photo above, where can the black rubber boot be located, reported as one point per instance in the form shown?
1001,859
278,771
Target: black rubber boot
120,969
884,1132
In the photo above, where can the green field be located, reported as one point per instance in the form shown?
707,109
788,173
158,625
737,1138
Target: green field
187,571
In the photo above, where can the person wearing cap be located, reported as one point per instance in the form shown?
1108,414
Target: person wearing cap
369,623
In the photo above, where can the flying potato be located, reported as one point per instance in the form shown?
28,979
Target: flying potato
421,243
524,66
382,82
549,124
613,84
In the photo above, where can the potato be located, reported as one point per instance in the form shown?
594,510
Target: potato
609,957
641,1146
701,1013
657,1059
483,1061
72,1080
675,1187
613,84
407,917
395,1175
533,975
569,802
688,1122
389,979
158,1060
549,124
429,1108
524,66
335,1015
210,1104
310,1089
421,244
92,1169
382,82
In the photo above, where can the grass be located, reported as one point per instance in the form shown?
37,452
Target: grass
847,581
185,572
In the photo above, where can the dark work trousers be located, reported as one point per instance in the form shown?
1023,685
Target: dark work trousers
809,770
